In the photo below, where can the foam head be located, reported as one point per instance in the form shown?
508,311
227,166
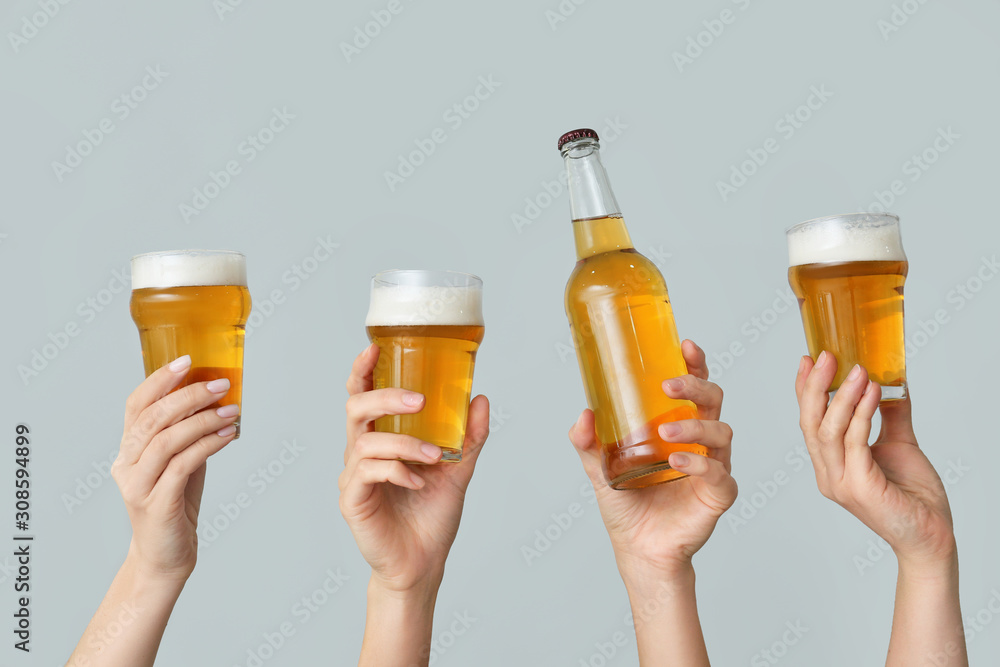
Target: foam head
184,268
424,298
857,237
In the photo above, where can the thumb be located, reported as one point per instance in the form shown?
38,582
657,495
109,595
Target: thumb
584,438
897,421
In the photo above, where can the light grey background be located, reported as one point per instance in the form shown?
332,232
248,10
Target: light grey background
323,177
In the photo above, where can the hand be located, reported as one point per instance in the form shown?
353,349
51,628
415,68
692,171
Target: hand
160,468
403,516
663,526
890,486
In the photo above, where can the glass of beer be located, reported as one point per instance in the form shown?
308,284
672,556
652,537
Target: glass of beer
193,302
428,326
848,273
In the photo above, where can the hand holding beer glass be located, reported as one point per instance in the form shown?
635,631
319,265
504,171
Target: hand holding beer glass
428,326
193,302
848,273
409,404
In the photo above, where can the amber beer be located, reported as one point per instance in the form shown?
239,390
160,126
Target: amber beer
623,329
848,273
428,326
193,302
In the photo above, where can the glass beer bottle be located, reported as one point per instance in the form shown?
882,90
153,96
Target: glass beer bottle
623,329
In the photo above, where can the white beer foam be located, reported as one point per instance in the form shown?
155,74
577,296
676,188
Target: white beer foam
186,268
850,238
411,305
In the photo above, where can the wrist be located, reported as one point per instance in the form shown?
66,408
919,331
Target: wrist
639,568
646,581
151,576
941,568
421,593
145,582
941,561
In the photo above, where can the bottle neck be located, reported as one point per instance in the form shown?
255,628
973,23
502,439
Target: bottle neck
597,220
598,235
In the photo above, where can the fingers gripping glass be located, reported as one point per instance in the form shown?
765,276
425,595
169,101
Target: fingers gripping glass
428,326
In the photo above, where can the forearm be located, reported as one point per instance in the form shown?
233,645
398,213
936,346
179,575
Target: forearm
665,613
398,626
128,626
927,621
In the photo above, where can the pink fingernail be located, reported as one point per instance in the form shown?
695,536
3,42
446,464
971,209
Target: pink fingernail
675,384
821,359
219,386
412,398
227,431
680,460
180,364
430,451
227,411
669,430
855,373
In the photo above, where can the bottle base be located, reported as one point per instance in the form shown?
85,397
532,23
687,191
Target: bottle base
648,476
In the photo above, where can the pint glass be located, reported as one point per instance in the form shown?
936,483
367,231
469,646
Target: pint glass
848,273
193,302
428,326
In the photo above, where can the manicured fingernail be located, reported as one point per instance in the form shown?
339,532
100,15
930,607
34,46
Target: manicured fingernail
675,385
227,411
821,359
679,460
180,364
219,386
417,480
669,430
430,451
855,373
226,432
412,398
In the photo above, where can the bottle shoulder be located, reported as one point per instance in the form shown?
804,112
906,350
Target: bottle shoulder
614,273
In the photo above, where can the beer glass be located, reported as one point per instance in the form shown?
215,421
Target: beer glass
848,273
428,326
193,302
